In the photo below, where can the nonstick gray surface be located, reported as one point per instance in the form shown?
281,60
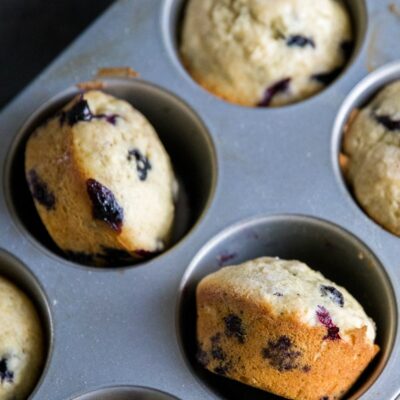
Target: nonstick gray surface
255,181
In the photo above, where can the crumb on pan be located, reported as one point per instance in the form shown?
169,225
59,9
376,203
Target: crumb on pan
394,9
124,72
91,85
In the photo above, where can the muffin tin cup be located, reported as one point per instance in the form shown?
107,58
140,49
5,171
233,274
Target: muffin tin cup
359,97
174,11
182,132
125,393
325,247
275,166
16,272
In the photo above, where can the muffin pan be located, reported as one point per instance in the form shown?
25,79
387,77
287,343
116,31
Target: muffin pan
260,181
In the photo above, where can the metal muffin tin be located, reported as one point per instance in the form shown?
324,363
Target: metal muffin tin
256,182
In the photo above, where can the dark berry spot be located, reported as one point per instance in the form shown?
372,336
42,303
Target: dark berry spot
333,333
142,163
79,256
40,191
234,327
202,357
217,353
282,354
111,119
80,111
216,339
333,294
5,374
104,205
216,349
325,319
347,48
279,87
306,368
300,41
327,77
114,256
389,123
225,257
278,294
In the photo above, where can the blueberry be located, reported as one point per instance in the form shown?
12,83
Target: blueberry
216,350
278,294
325,319
80,111
333,294
282,354
234,327
217,353
216,339
142,163
40,190
202,357
5,374
333,333
104,205
278,87
111,119
300,41
389,123
327,78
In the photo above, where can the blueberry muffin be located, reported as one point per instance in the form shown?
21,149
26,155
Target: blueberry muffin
102,181
372,148
21,343
265,52
280,326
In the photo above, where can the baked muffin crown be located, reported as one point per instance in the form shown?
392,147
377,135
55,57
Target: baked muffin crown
102,181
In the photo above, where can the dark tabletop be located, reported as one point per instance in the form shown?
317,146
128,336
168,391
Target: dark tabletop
33,32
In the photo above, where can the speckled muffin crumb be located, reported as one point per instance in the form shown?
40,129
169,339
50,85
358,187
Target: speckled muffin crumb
280,326
265,52
21,343
102,181
372,147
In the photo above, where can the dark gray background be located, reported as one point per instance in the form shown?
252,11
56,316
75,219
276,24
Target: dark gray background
33,32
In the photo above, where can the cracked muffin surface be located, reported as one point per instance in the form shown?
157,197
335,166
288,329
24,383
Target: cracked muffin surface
21,343
282,327
101,180
372,148
265,52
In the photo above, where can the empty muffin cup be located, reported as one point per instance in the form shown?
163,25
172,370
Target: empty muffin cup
12,363
180,130
323,246
126,393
